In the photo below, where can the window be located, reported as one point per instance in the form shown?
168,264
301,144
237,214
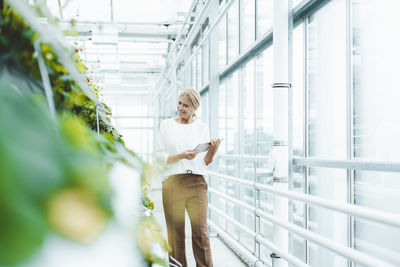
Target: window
376,63
327,124
222,43
264,10
247,24
233,31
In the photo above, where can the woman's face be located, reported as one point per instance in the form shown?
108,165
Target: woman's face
184,110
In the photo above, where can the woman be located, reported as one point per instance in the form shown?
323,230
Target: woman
184,186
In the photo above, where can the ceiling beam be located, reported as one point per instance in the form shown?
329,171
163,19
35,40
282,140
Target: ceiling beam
166,24
167,36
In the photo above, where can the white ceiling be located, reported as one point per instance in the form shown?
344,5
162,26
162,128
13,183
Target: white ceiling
124,43
120,10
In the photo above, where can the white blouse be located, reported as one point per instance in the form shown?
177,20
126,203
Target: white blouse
175,137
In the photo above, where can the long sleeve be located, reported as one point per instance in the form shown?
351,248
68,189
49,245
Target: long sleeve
160,154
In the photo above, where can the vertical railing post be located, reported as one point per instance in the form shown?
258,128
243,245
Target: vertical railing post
257,229
281,87
97,119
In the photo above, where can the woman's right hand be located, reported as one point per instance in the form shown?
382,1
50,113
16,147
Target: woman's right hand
190,154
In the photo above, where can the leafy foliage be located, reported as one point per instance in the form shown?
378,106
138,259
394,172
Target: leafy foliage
54,170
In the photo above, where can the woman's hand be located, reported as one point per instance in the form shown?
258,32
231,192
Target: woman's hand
214,144
190,154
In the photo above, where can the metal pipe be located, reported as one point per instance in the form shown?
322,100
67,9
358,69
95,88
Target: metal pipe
97,120
231,178
288,257
343,250
231,220
243,157
243,252
362,212
234,200
325,242
354,164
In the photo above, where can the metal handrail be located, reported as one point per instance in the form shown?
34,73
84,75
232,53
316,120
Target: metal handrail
236,246
325,242
259,238
234,200
354,164
243,157
350,209
287,256
352,254
231,220
345,251
231,178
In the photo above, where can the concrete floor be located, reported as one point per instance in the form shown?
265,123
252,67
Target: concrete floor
221,254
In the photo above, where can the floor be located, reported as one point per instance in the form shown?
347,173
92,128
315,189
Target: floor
221,254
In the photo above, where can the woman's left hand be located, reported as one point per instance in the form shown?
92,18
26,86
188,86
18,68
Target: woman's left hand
214,143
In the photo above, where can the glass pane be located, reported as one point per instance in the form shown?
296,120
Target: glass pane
206,62
327,81
194,73
376,61
376,93
380,191
320,256
247,24
222,43
264,16
248,117
233,31
204,107
264,103
298,91
329,184
199,70
222,120
232,103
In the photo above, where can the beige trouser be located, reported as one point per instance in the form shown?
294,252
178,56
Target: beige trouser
180,192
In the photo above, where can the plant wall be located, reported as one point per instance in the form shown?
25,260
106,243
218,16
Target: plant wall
54,170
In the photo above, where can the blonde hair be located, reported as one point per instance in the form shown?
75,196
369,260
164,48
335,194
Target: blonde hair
193,96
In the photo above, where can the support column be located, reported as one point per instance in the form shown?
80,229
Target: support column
281,88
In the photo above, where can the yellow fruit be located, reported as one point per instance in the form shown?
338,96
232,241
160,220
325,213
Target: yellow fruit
75,214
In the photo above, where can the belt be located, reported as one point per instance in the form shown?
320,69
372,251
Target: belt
188,171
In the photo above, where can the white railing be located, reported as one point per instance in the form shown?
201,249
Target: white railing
384,218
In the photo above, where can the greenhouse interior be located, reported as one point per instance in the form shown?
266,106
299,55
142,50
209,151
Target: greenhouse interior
293,101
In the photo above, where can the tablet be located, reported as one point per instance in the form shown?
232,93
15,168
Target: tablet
202,147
